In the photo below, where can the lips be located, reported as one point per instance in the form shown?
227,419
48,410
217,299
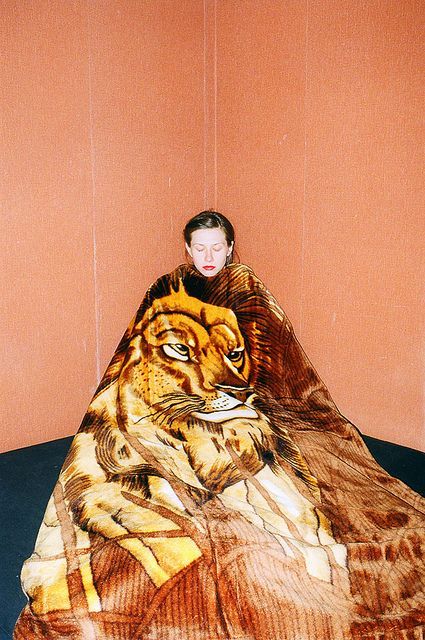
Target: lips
208,267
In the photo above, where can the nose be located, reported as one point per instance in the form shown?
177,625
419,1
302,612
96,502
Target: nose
240,393
208,254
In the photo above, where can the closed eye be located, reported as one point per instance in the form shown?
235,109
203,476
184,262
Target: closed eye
176,351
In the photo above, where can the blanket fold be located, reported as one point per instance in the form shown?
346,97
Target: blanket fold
214,491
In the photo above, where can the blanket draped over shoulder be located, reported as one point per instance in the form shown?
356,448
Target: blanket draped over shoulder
214,491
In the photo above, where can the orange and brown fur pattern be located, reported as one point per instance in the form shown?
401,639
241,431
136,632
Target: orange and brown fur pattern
178,426
214,491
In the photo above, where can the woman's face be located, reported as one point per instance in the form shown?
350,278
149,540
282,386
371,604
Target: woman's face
209,250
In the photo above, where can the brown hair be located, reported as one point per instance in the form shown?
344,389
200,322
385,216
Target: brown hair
210,220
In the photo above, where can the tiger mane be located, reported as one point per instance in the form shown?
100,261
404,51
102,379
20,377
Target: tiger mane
261,322
234,288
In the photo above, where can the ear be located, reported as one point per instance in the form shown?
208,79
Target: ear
188,249
229,252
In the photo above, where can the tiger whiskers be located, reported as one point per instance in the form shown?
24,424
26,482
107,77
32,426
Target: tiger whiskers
179,406
190,408
171,407
155,413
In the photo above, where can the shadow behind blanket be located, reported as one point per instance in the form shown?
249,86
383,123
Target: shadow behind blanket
249,508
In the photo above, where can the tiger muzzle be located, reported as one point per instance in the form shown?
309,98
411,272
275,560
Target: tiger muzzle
238,392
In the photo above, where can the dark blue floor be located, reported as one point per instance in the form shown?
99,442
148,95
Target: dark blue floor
27,477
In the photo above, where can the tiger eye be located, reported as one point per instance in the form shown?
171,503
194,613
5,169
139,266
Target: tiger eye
176,351
181,348
235,355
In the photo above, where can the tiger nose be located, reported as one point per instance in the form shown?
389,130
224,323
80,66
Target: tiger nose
240,393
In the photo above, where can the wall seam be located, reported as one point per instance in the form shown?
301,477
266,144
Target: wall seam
215,108
205,106
305,168
93,199
210,104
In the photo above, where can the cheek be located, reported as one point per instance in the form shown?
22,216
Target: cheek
222,259
165,377
246,369
198,257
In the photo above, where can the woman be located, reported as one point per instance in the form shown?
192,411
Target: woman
214,491
209,240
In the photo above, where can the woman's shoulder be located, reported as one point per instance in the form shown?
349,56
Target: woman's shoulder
240,267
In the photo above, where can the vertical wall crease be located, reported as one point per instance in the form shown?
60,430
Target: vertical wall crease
96,308
210,104
305,171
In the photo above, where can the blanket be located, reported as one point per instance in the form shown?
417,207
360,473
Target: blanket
214,491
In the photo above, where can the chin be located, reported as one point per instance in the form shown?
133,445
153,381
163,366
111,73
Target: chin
209,274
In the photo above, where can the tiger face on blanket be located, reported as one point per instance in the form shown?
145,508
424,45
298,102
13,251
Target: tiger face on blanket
178,426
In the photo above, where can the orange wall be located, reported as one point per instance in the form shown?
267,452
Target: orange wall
320,159
301,120
103,156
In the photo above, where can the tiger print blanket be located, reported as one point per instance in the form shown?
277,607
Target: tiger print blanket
214,491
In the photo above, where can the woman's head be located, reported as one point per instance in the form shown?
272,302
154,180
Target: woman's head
209,237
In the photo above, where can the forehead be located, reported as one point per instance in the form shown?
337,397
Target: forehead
208,236
181,328
190,317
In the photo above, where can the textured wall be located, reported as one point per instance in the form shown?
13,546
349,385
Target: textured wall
103,113
300,120
320,159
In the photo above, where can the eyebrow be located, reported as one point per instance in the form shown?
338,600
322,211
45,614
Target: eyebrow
213,244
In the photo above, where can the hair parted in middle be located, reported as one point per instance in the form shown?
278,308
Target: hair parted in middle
211,219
